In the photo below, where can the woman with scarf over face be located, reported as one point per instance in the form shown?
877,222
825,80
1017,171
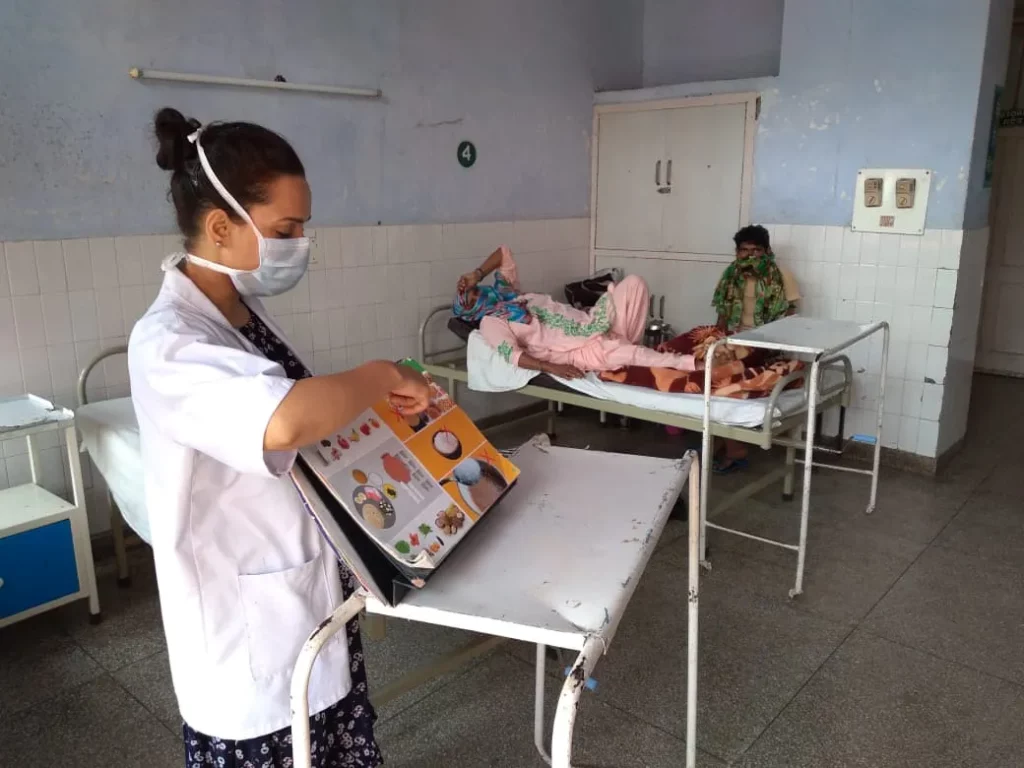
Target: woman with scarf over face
533,331
753,290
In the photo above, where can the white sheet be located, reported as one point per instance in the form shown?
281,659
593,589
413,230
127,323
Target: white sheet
488,372
110,433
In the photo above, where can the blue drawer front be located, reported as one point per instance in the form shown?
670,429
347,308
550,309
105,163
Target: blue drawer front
37,566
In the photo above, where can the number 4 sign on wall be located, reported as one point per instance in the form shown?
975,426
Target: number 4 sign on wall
467,154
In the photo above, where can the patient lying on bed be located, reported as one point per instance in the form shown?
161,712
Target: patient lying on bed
533,331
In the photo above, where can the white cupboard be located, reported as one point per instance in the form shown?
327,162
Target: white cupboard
670,186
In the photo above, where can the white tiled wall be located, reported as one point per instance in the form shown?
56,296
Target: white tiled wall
61,302
964,338
914,283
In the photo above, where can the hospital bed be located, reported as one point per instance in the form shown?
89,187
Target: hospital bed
790,418
110,434
507,581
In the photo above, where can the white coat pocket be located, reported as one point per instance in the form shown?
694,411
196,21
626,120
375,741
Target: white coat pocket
281,610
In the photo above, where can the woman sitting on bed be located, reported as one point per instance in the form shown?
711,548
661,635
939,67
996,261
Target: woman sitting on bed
533,331
753,290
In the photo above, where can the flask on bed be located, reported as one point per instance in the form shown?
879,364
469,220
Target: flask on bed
657,330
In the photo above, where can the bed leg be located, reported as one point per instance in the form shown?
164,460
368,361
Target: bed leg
301,750
788,480
877,458
839,439
569,702
538,704
602,417
124,578
805,504
552,413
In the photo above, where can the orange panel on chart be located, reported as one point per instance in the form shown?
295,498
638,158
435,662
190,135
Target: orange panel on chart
406,426
446,442
400,425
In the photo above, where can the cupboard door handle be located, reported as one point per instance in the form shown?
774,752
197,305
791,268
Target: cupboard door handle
661,303
668,173
664,190
657,173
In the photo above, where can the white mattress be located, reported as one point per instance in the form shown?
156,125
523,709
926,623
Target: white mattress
110,433
488,372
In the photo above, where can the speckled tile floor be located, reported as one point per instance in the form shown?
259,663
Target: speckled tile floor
907,648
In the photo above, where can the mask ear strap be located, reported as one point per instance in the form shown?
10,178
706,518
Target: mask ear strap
221,189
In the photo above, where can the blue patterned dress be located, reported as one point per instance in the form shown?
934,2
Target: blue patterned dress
342,735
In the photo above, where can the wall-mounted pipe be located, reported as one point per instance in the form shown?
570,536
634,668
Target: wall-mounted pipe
181,77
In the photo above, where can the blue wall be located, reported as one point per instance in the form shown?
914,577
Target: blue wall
688,41
863,83
517,79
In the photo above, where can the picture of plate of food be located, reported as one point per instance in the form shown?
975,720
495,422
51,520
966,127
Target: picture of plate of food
480,484
447,444
450,520
374,507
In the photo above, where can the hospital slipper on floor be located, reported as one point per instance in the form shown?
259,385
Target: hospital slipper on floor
725,466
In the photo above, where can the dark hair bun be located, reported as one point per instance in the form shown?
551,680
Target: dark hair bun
172,130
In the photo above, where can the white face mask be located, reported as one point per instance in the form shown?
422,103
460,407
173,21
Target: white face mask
282,262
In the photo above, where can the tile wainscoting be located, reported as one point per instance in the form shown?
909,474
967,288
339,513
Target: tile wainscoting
929,290
63,301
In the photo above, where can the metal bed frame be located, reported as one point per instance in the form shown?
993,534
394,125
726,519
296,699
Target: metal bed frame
530,605
792,430
116,520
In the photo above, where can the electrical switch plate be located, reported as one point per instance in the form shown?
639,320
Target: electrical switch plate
906,189
873,193
903,207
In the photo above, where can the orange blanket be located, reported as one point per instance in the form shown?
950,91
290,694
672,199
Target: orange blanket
738,372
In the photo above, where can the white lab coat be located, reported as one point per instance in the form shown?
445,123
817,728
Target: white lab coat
243,574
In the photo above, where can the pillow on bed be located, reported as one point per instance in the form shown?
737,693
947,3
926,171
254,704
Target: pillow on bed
462,328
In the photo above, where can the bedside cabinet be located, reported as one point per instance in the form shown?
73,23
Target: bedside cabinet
45,553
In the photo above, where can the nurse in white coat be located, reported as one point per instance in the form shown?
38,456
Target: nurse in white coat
223,403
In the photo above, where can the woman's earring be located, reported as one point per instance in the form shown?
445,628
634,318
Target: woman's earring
219,243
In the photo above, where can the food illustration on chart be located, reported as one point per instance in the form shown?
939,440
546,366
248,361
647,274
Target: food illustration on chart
416,485
346,444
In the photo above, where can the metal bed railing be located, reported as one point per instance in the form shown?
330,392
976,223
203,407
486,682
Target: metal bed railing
116,520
